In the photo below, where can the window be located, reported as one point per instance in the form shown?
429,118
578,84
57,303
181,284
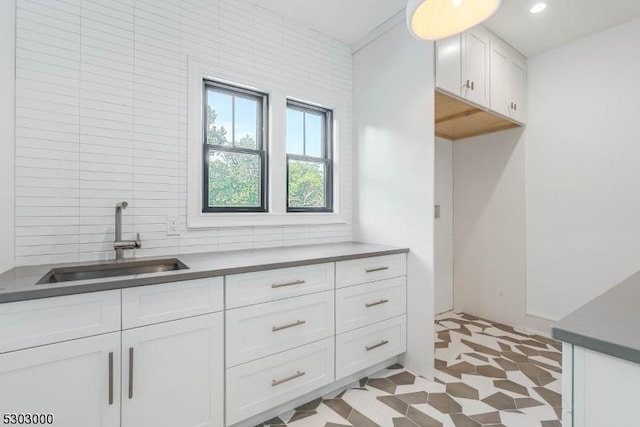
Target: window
309,165
235,149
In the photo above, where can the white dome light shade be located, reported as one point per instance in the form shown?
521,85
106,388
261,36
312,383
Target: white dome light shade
437,19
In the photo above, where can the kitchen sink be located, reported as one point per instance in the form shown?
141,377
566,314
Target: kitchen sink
100,271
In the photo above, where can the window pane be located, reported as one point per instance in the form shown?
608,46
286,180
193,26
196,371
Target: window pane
234,179
246,123
219,118
295,142
313,132
306,184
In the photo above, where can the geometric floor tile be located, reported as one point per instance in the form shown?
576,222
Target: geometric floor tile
487,374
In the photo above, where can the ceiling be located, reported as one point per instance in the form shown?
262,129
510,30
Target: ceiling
345,20
563,20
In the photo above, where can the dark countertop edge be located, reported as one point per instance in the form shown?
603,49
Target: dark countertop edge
177,277
604,347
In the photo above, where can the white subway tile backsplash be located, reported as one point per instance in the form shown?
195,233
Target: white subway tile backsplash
101,116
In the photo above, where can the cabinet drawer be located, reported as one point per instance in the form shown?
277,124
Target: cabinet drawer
260,330
145,305
270,285
364,270
364,347
362,305
258,386
44,321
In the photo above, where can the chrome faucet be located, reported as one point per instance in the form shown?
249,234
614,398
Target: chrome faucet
120,245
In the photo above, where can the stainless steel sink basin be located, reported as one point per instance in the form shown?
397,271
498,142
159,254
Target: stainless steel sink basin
99,271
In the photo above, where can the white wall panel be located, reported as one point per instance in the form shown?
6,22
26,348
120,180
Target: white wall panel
583,179
102,117
394,108
7,122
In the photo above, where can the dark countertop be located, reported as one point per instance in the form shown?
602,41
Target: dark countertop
608,324
19,284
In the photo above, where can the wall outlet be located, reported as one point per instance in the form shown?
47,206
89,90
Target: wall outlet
172,225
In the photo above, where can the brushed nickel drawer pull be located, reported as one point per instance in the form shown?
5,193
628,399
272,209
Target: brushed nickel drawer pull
291,325
298,374
111,378
380,344
130,372
373,304
372,270
282,285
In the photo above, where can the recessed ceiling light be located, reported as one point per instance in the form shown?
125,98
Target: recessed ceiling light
538,7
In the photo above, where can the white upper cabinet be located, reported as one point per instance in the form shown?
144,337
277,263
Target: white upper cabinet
508,75
449,64
517,84
481,68
475,66
499,78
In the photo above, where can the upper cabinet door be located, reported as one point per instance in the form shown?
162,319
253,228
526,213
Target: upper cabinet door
475,66
77,382
499,95
517,85
449,64
173,373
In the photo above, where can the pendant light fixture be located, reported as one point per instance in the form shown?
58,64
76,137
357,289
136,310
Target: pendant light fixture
437,19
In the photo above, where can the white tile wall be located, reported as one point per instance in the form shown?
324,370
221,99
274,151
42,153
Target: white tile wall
101,116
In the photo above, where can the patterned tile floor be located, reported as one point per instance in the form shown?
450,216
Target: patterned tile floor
487,374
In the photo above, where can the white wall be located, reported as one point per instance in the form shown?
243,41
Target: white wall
7,104
394,136
102,117
583,174
443,226
489,224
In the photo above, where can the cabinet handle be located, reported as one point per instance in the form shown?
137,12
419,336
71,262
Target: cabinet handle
372,270
298,374
515,107
282,285
111,378
291,325
511,106
466,85
472,86
380,344
130,372
373,304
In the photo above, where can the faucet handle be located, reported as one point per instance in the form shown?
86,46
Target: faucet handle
138,242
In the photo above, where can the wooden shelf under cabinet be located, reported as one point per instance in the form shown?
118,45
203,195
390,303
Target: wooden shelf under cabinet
456,119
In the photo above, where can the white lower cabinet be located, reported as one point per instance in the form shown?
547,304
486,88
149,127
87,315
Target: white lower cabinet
172,374
76,381
364,347
603,390
263,329
358,306
154,356
265,383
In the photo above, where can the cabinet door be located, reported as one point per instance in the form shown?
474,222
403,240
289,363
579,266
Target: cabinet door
172,374
605,390
517,71
499,92
449,65
476,54
76,381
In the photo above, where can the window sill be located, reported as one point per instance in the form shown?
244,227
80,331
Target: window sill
250,219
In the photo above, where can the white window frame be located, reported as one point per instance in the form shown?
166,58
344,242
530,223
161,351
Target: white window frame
276,155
